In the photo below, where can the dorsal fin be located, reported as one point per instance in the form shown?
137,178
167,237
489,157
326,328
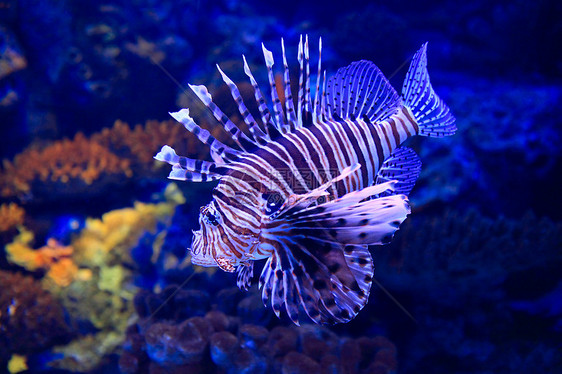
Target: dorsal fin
317,111
361,90
282,126
243,141
253,126
220,152
304,110
289,104
286,120
268,124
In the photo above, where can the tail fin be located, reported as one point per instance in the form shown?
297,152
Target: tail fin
432,115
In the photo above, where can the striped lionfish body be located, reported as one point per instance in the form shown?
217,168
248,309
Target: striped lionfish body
314,184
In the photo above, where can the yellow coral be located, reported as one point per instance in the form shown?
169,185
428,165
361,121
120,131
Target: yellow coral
11,215
104,295
118,231
17,364
53,257
63,272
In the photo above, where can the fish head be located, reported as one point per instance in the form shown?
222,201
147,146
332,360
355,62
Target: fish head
228,234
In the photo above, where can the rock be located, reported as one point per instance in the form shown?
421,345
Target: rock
218,320
298,363
224,346
247,361
316,341
227,300
251,310
178,345
281,341
350,354
253,337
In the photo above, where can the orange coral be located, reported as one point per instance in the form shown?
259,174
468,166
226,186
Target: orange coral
63,272
53,257
80,158
116,150
21,254
11,215
142,142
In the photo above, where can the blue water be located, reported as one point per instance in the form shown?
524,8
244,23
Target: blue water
470,284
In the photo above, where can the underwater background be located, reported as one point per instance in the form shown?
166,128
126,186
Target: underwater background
93,236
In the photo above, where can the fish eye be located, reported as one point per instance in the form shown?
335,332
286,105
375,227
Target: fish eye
210,215
273,202
212,219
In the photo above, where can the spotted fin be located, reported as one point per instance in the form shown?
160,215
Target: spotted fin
245,273
360,90
313,278
312,269
404,166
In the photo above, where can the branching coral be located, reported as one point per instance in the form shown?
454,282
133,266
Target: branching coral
104,299
117,151
78,159
54,258
11,215
141,143
462,275
502,142
31,319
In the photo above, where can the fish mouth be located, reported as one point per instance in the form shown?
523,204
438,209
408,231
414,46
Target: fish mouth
196,242
200,256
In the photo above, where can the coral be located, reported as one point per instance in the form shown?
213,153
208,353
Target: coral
109,239
11,215
17,364
464,277
141,143
502,142
53,258
209,341
108,158
103,299
31,319
11,58
80,159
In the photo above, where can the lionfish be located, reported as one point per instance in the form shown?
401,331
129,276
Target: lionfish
311,187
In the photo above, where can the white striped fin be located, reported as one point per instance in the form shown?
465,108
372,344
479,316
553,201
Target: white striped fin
269,127
325,113
317,112
300,103
353,218
360,262
222,151
181,174
254,128
245,273
307,100
360,90
169,155
404,166
237,135
289,104
282,126
433,116
331,280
